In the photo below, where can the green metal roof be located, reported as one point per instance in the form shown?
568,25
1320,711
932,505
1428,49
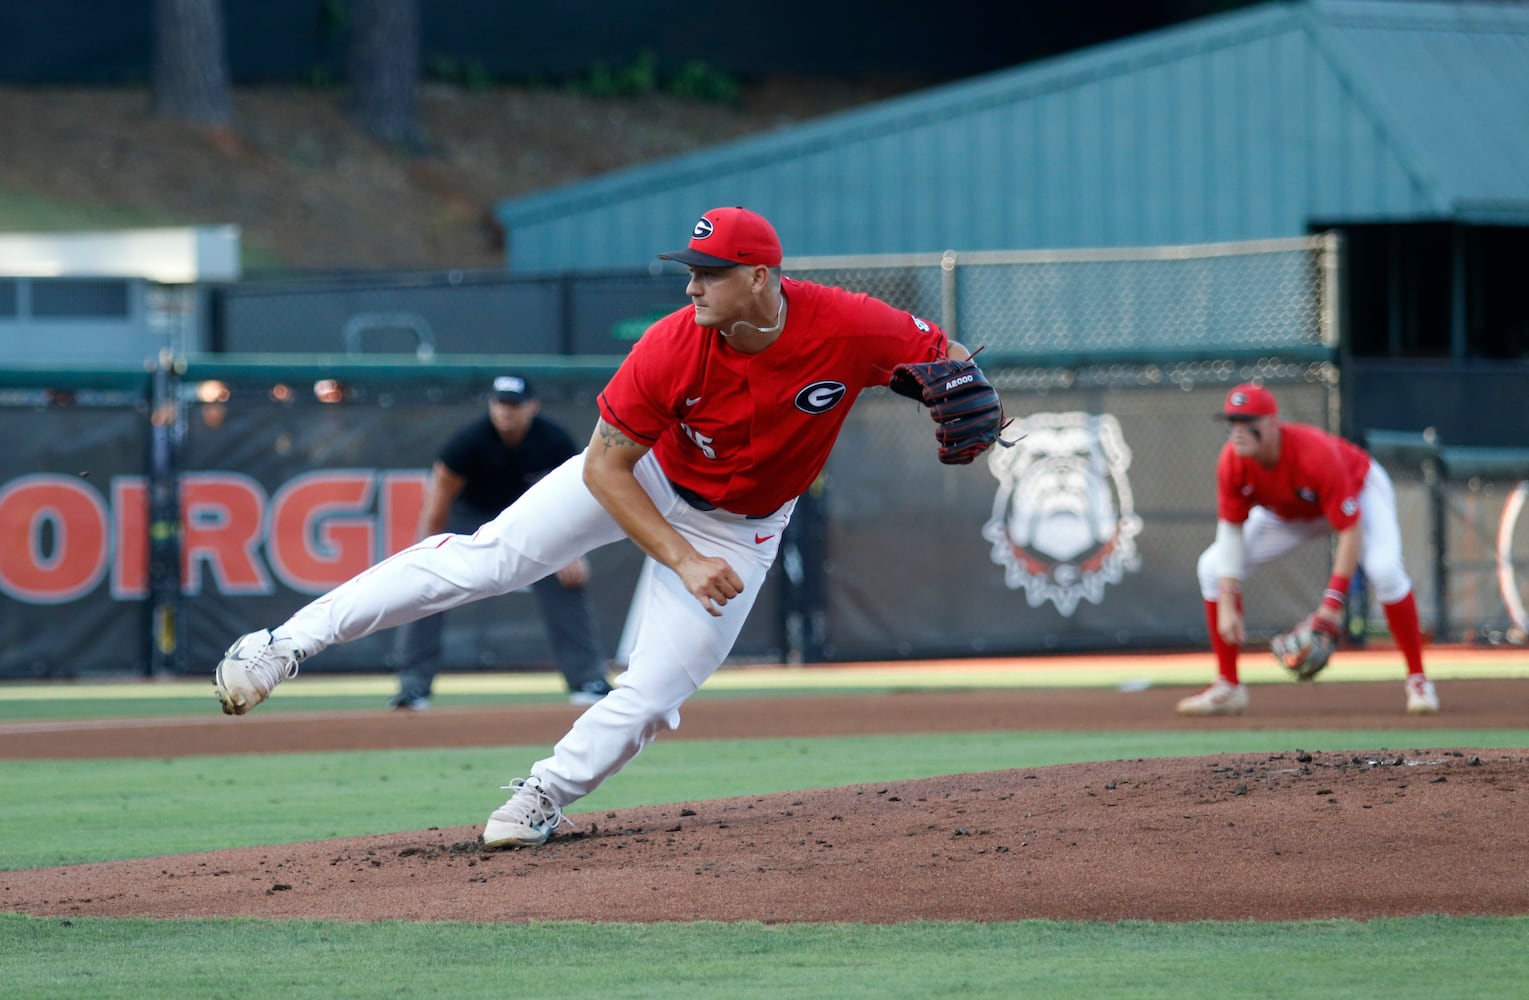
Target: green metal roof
1254,124
1449,83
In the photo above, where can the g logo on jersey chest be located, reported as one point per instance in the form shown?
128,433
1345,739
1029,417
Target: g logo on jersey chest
820,397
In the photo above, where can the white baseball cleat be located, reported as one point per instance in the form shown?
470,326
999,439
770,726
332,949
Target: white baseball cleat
253,665
1220,698
1422,699
528,819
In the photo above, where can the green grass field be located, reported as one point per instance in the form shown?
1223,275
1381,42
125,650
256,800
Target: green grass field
71,812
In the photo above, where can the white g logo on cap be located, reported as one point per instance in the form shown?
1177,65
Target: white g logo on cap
703,228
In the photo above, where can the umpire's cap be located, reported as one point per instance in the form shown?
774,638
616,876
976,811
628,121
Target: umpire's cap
513,389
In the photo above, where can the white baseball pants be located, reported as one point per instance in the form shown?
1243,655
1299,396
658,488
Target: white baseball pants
677,644
1267,536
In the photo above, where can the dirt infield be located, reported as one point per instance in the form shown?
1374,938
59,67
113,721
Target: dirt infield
1302,833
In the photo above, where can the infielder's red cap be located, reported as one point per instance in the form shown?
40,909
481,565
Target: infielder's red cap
726,237
1249,402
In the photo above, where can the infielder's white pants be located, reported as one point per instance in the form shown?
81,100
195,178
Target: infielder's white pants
677,643
1267,536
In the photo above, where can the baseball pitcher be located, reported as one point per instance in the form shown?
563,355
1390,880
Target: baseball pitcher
722,414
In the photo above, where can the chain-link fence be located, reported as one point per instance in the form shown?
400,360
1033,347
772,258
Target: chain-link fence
1073,307
1230,300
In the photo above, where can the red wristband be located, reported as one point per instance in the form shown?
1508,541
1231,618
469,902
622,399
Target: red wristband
1336,593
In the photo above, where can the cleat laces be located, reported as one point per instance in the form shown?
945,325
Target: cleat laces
531,807
270,667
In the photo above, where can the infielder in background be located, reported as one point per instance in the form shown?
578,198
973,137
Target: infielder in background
722,414
481,470
1281,484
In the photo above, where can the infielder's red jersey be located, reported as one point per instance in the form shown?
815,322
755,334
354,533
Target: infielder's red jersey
1317,475
749,432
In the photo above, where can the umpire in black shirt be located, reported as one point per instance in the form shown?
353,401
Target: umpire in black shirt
483,469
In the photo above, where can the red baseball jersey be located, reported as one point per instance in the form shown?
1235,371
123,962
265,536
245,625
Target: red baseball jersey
749,432
1317,475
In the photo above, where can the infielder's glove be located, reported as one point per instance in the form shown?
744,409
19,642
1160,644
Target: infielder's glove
1305,649
962,402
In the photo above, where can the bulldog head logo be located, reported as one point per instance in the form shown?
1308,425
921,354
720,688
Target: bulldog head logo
1063,523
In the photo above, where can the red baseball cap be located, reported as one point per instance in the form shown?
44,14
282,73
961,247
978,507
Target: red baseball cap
726,237
1249,402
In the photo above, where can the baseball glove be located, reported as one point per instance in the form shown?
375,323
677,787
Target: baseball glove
1305,649
962,402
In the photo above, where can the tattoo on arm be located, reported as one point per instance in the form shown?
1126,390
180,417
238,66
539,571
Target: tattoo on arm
611,437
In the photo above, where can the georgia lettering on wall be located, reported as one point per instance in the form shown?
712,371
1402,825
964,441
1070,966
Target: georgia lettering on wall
60,538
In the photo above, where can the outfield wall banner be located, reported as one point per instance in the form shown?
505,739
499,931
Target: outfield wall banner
73,534
1082,536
